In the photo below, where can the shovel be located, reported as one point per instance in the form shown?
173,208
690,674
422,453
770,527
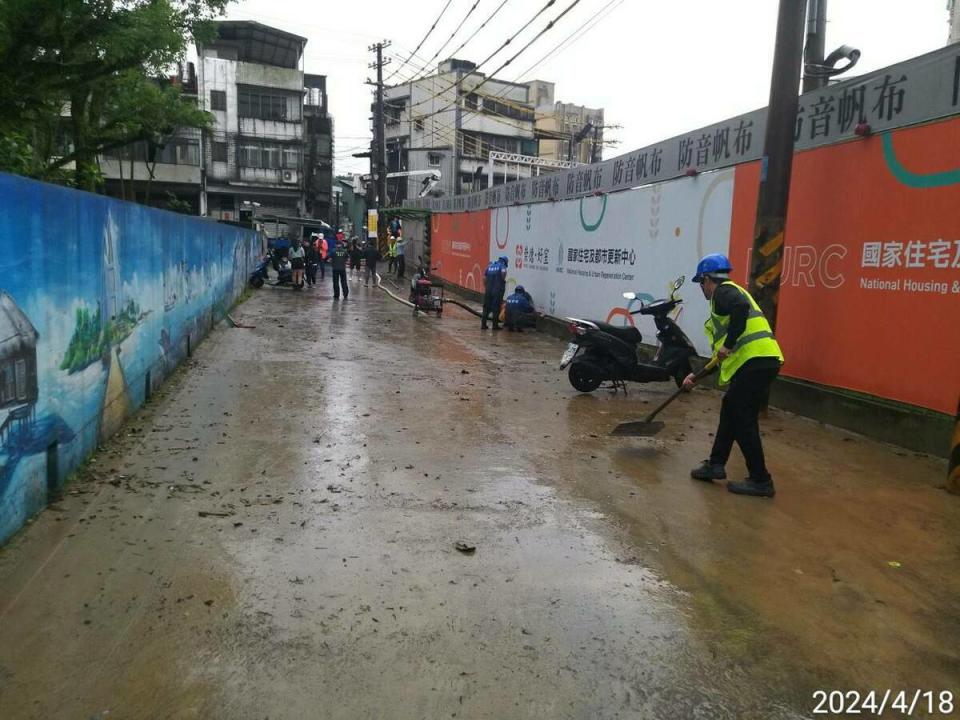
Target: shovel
649,427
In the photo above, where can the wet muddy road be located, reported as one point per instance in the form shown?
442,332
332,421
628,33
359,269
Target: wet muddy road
274,537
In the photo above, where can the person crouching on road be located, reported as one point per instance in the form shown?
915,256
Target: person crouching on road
494,285
520,312
750,359
297,263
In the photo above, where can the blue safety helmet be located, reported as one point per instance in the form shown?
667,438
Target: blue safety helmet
519,289
713,264
505,260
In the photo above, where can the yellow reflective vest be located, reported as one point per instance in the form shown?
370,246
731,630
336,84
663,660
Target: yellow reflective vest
756,340
392,248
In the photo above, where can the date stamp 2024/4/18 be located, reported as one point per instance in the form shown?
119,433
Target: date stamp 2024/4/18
877,702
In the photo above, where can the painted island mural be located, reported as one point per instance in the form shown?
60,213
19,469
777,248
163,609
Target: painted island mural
99,301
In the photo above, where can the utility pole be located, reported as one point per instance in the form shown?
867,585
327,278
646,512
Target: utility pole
766,263
378,158
457,139
596,144
814,52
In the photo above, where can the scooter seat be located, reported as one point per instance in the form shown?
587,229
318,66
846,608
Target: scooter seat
626,334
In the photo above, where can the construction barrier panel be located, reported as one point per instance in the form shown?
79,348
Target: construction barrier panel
870,300
459,247
577,258
870,297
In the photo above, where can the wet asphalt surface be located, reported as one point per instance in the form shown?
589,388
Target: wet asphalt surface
274,536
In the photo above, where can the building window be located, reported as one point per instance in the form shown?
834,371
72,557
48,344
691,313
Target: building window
188,153
392,110
291,158
268,156
264,106
219,152
218,100
418,124
472,101
434,159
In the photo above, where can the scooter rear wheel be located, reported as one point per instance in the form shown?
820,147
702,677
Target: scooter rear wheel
584,377
257,281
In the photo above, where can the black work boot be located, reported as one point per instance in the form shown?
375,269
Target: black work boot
483,326
496,326
751,486
708,472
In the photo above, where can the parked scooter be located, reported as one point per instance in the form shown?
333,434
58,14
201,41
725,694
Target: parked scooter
260,273
600,352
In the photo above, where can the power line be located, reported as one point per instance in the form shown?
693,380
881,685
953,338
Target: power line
482,26
447,131
536,37
583,29
432,27
510,39
452,35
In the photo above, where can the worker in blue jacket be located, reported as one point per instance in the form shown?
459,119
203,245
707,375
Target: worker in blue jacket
494,286
520,310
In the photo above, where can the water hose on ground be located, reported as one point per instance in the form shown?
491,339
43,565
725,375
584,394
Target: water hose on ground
395,297
410,304
464,306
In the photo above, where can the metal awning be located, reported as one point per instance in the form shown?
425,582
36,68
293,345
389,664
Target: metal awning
259,43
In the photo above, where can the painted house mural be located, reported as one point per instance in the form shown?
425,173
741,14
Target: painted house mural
99,301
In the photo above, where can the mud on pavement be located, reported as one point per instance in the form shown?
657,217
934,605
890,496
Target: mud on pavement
275,535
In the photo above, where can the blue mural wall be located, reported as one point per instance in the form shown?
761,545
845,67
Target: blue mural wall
98,299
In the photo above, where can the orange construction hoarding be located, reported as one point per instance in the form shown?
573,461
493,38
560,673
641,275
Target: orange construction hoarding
870,295
460,247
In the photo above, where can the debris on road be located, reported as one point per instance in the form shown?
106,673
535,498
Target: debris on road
465,547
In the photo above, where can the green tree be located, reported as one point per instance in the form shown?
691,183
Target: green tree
79,77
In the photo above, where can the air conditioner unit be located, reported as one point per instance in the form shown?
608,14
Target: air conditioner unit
289,177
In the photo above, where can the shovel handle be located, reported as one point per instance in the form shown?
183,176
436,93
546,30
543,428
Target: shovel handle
707,369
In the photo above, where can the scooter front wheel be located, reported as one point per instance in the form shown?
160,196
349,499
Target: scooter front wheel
584,377
257,281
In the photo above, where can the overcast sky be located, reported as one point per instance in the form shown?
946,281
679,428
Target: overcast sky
657,67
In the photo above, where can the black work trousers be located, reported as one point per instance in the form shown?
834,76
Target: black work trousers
340,281
401,266
739,413
491,306
311,273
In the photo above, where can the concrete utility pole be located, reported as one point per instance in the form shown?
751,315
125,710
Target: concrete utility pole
457,140
814,52
775,167
378,159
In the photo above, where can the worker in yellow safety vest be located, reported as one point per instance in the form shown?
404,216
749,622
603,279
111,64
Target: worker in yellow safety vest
750,359
391,252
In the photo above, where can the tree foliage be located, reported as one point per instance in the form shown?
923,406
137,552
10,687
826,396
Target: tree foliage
78,77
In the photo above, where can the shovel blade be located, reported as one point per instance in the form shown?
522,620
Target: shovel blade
639,428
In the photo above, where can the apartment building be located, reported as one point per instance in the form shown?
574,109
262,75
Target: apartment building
167,175
434,123
251,79
566,131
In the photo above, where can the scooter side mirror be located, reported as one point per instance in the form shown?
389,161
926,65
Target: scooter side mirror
630,295
678,283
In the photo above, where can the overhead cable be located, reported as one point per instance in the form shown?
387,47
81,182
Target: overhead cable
420,45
